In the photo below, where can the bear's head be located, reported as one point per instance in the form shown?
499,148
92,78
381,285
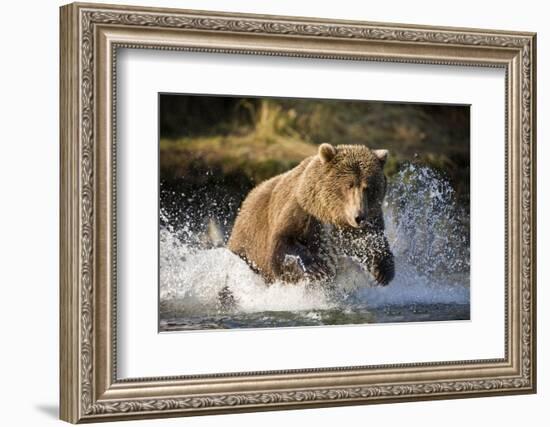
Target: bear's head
345,186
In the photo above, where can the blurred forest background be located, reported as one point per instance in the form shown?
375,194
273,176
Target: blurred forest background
214,149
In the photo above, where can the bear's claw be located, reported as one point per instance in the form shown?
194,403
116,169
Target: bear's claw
317,270
305,266
384,271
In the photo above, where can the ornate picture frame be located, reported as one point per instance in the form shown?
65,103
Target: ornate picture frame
90,37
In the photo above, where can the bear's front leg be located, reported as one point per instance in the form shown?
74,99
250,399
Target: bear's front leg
383,268
372,250
381,264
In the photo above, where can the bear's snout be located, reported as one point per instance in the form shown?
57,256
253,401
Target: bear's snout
360,219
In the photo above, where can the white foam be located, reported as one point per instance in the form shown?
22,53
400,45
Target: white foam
423,226
191,280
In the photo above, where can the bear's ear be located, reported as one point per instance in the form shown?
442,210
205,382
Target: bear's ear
326,152
382,155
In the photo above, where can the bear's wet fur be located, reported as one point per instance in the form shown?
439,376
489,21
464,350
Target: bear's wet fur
282,224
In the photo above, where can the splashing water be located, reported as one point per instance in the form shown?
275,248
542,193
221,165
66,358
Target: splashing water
428,234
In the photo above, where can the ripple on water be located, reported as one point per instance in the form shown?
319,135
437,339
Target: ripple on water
429,236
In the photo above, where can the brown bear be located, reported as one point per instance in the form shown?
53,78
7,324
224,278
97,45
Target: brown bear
282,224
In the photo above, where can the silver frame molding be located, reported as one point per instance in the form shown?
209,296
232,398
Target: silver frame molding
90,37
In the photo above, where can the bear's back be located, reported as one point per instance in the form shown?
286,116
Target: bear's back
251,228
258,217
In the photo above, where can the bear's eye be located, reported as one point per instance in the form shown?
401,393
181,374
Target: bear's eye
351,185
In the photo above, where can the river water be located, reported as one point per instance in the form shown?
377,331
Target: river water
428,232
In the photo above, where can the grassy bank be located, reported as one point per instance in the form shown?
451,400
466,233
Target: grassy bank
239,142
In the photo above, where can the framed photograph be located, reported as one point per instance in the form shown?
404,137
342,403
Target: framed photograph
265,212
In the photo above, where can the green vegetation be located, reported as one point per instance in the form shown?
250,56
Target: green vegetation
258,158
247,140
